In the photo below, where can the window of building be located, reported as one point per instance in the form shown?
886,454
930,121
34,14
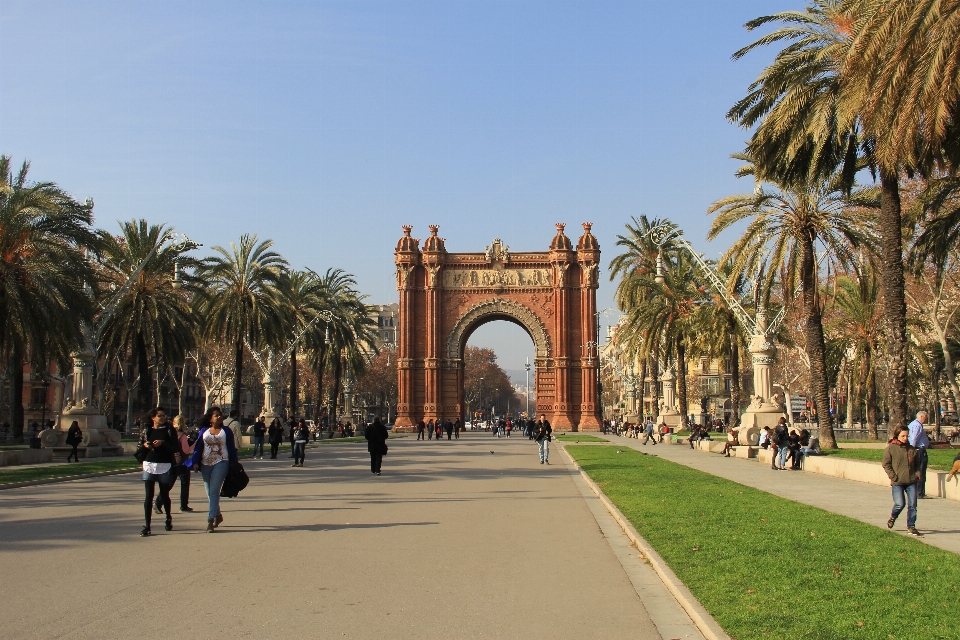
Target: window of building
38,396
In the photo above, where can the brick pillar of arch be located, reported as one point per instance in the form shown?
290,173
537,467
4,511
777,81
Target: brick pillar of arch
443,296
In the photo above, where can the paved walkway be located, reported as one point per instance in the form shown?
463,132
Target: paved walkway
938,519
452,541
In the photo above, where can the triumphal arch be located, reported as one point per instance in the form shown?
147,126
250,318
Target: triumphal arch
445,296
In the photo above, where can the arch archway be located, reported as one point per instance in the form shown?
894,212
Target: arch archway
445,296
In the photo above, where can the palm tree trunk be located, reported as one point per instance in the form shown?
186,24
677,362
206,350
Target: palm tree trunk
850,398
16,394
816,348
736,392
143,366
293,384
892,292
682,384
871,397
335,393
237,376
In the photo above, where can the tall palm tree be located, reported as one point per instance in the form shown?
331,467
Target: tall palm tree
636,268
44,275
342,344
667,318
153,320
243,302
855,323
787,224
718,335
303,295
901,78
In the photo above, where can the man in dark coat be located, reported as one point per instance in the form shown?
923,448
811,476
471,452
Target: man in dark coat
421,427
376,436
448,426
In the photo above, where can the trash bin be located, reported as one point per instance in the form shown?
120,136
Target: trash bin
35,443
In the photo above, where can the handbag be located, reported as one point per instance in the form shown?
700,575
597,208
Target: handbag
141,453
235,482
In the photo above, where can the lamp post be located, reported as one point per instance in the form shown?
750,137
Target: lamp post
43,407
526,368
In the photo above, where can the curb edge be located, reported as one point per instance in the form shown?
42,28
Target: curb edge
700,616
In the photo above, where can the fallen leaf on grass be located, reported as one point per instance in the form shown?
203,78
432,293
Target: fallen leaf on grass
859,624
751,591
696,548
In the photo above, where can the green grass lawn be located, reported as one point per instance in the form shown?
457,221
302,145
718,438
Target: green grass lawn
575,437
941,459
767,567
13,474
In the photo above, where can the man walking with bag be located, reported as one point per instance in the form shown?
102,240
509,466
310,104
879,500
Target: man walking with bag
543,436
920,441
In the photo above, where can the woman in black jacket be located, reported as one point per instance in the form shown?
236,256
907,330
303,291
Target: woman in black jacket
161,442
275,435
74,438
376,435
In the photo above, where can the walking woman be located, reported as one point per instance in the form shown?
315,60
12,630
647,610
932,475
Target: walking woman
300,436
180,471
275,435
74,438
214,452
160,441
376,435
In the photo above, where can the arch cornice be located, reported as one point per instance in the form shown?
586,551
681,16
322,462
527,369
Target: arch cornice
499,307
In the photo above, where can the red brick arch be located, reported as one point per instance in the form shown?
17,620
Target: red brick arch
444,297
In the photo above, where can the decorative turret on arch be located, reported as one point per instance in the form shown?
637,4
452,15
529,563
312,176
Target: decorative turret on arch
497,309
445,296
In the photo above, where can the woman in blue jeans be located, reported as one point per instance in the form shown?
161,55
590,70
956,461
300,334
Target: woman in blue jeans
214,452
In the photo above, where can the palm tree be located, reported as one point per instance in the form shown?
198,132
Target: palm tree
636,267
718,335
787,223
901,78
342,344
799,133
153,320
302,294
243,302
855,323
44,275
666,318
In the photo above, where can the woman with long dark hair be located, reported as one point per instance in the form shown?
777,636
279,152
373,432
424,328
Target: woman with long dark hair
161,442
215,451
74,438
275,435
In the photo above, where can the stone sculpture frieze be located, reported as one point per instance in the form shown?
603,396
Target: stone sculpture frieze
484,279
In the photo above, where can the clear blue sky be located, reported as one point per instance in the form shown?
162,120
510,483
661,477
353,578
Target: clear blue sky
325,126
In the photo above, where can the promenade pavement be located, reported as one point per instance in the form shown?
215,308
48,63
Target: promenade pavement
452,541
938,519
